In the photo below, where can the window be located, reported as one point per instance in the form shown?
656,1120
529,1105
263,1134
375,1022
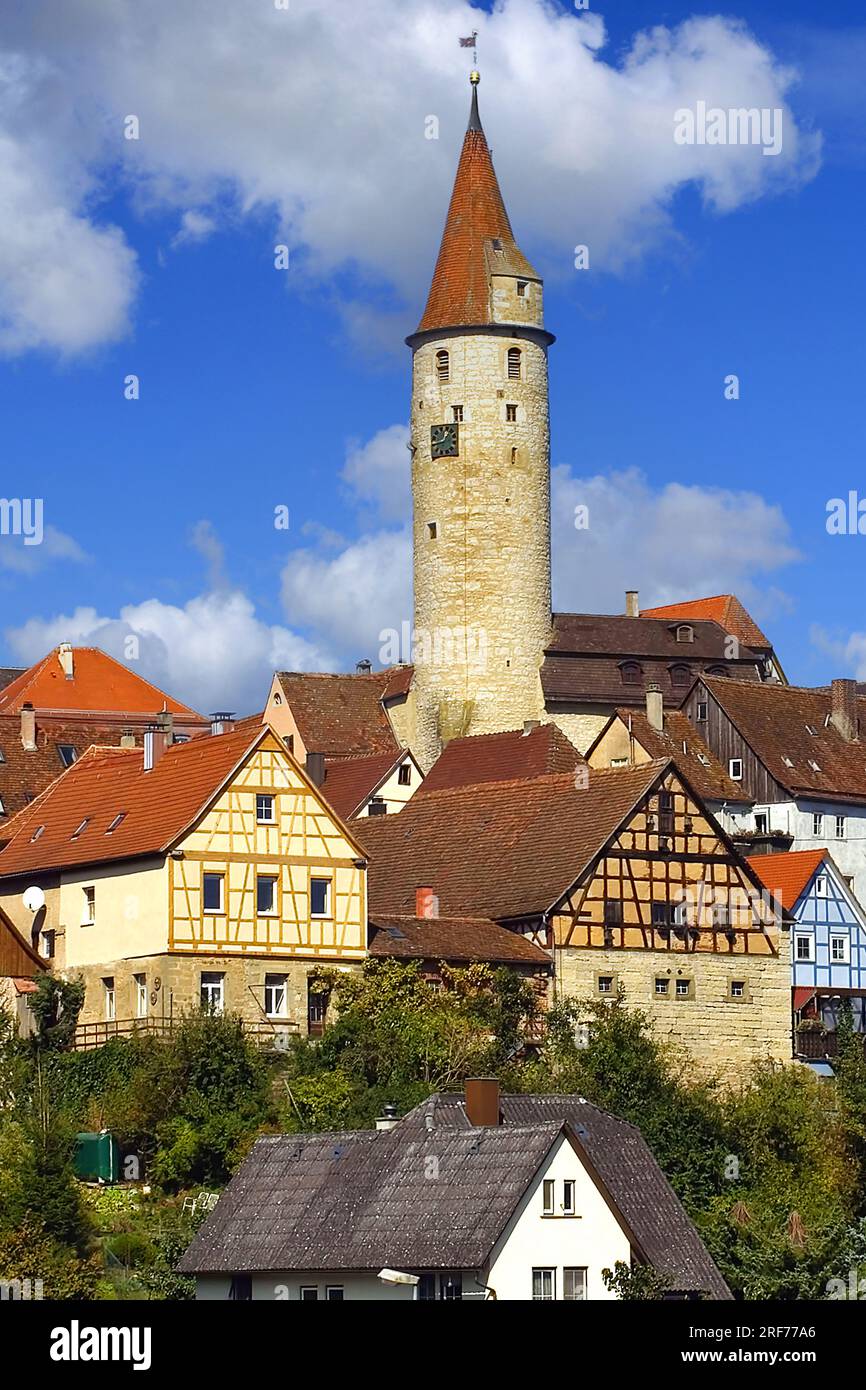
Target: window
320,897
666,813
702,712
431,530
67,754
717,670
680,676
662,985
661,914
811,730
821,886
212,991
511,413
89,915
457,414
40,830
548,1189
630,673
442,367
738,989
266,895
573,1284
840,827
83,826
116,822
521,289
46,944
241,1290
212,892
451,1286
109,998
735,769
619,762
817,823
140,982
839,950
683,989
276,996
761,822
569,1190
605,984
404,775
317,1008
543,1285
803,948
721,914
685,633
310,1292
333,1293
514,364
265,809
612,912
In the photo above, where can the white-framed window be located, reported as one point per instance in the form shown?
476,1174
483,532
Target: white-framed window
683,989
140,982
804,947
702,711
334,1293
619,762
404,775
266,895
66,753
212,991
276,996
543,1285
839,950
88,914
605,984
817,824
821,886
735,769
662,985
548,1197
738,989
569,1197
761,822
265,808
573,1284
212,892
840,827
109,998
47,944
309,1293
320,897
457,414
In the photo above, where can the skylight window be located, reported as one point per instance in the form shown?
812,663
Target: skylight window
36,833
702,758
787,761
813,765
67,754
2,756
83,826
810,730
116,822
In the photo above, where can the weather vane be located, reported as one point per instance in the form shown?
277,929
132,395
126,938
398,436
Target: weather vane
472,42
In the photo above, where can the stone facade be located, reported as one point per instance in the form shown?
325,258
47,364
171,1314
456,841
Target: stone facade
723,1034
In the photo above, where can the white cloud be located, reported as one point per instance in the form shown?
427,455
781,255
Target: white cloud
379,472
670,543
25,559
849,651
194,226
315,116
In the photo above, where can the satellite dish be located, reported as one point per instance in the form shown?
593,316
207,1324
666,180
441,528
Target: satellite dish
34,898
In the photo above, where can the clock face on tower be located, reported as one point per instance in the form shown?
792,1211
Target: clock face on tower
444,441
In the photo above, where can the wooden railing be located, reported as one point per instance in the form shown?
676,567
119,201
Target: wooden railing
818,1046
273,1035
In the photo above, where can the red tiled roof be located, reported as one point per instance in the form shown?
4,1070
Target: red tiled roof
679,742
159,805
452,939
399,684
460,292
773,720
350,782
724,609
788,875
341,715
502,849
25,772
99,683
501,758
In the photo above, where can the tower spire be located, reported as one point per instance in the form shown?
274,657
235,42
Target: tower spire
474,118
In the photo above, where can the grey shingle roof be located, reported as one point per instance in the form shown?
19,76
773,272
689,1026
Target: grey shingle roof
628,1170
365,1199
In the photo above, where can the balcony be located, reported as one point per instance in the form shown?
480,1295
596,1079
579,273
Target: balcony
819,1047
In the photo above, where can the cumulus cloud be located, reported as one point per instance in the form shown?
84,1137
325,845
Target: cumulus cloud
379,472
315,117
19,557
848,651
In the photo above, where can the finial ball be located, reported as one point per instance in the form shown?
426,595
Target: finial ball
475,77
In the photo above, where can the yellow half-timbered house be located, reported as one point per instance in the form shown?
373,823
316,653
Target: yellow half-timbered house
209,872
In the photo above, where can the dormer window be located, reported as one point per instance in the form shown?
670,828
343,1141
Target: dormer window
680,676
514,364
685,633
442,367
717,670
630,672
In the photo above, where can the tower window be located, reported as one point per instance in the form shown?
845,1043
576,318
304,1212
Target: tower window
457,411
514,364
514,453
521,289
511,413
431,530
442,369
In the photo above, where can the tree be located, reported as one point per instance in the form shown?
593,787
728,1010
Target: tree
56,1004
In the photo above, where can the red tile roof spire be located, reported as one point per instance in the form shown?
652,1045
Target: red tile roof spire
477,224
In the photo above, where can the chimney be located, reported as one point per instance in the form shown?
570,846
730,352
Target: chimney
426,903
28,727
222,721
316,768
363,667
655,709
632,607
156,740
529,725
844,710
481,1098
389,1118
127,739
64,656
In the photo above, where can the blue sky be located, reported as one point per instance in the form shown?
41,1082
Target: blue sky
257,385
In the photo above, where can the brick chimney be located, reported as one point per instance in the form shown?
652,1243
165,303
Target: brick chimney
426,903
66,659
632,604
481,1099
844,710
28,727
655,708
156,739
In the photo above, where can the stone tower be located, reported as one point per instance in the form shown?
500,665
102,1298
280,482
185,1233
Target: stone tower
480,471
